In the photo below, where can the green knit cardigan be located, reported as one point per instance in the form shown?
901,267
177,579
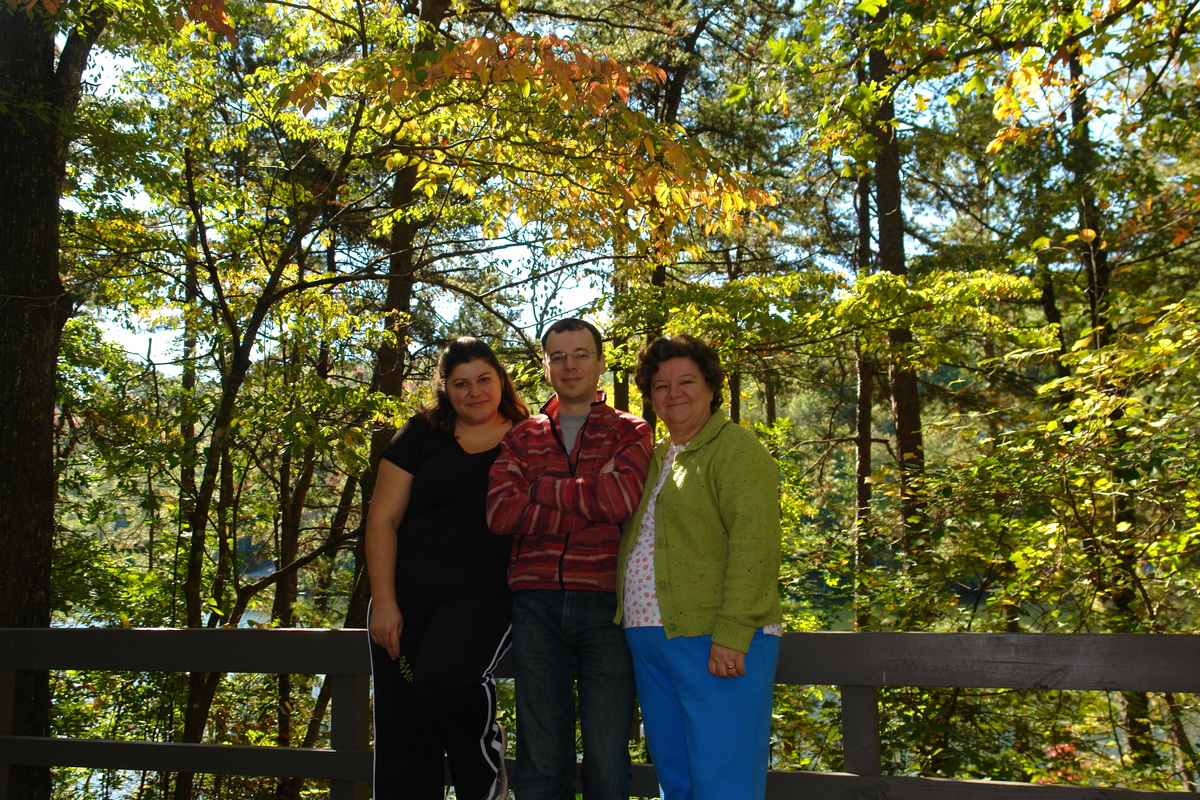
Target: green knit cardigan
717,545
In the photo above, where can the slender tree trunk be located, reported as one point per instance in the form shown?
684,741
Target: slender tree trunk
769,400
391,361
188,445
1049,301
658,279
906,400
1116,577
863,526
677,73
1189,763
187,430
1081,161
735,396
620,399
287,589
865,369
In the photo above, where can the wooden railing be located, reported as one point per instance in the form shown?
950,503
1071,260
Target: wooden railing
859,663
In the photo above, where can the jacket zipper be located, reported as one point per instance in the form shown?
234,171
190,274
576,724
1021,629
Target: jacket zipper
562,555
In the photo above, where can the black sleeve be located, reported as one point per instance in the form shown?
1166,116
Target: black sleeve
408,447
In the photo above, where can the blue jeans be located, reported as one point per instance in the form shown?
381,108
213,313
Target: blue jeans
560,638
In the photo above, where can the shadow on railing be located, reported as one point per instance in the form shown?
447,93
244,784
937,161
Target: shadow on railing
859,663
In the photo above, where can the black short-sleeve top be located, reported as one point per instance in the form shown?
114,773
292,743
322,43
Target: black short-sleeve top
443,542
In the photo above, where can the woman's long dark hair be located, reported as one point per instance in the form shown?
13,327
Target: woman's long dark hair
462,350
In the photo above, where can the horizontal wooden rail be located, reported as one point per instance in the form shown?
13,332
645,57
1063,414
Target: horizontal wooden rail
1098,662
341,655
858,663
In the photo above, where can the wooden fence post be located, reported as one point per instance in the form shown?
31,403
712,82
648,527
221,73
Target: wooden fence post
8,700
348,728
860,730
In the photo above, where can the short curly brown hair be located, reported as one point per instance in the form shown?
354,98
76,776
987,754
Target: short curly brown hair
681,345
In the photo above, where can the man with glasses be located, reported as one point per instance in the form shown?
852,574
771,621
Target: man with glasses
563,484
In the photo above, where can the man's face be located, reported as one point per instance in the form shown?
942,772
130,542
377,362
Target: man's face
573,366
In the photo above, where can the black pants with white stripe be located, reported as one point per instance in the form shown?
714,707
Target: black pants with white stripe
439,698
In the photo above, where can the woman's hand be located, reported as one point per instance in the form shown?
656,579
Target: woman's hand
393,486
724,662
386,625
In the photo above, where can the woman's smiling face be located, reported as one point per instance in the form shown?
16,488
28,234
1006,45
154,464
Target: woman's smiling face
474,391
681,397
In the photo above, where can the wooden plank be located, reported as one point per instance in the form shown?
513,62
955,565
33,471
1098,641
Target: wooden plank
303,651
350,712
1146,662
644,784
210,759
857,661
8,699
860,729
842,786
257,650
356,766
1099,662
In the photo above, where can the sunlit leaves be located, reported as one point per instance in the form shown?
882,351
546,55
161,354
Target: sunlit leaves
945,310
210,13
537,128
1036,509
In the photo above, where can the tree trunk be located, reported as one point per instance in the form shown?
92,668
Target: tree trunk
187,431
769,400
1081,160
863,529
658,279
391,361
620,399
863,425
291,502
1116,579
906,400
735,397
40,100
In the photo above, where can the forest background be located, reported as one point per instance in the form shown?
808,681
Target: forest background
946,249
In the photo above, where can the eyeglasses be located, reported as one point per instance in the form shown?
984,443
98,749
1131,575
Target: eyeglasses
560,359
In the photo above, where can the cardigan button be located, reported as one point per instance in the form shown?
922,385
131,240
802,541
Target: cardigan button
671,626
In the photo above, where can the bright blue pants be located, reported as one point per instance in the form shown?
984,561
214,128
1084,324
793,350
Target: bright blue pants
709,737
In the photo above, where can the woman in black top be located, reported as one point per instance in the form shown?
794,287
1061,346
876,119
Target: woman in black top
440,607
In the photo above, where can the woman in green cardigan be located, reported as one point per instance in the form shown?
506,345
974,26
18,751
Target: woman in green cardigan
698,584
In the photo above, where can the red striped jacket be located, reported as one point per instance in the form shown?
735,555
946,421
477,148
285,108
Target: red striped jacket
564,513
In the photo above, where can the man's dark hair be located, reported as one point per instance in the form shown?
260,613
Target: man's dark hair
574,324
